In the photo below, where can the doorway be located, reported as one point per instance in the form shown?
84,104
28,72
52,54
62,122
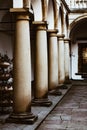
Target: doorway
82,59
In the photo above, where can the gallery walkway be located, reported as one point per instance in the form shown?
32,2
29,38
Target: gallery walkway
71,112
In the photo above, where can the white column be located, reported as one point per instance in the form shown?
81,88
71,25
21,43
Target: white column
53,62
67,59
22,70
41,66
61,59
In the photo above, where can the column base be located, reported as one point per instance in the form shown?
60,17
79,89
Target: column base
23,118
55,92
41,102
63,86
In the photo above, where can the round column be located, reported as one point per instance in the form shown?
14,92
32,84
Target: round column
61,59
53,62
41,66
22,71
67,60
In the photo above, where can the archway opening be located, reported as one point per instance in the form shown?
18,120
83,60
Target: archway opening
78,36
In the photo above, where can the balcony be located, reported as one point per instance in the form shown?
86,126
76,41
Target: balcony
76,5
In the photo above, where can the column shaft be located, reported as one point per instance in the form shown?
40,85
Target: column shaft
41,63
53,63
22,68
61,59
53,59
67,59
22,71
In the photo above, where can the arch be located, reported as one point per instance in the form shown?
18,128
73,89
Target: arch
52,15
60,19
55,15
44,10
76,25
37,9
78,36
76,21
67,24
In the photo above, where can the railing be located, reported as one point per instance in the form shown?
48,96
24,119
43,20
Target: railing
77,4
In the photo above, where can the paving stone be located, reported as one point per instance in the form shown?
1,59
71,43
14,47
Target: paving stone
58,122
72,111
69,114
66,117
42,112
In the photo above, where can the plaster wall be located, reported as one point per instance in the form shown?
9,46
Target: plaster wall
17,3
6,46
73,16
74,61
6,37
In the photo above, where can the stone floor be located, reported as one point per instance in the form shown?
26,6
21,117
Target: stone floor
41,112
71,112
68,112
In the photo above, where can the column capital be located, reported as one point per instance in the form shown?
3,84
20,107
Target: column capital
21,13
52,32
19,10
66,40
40,25
61,36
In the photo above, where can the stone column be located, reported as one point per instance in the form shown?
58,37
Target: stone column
41,66
61,60
53,62
22,70
67,60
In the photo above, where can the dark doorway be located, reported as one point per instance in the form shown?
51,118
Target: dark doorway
82,61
